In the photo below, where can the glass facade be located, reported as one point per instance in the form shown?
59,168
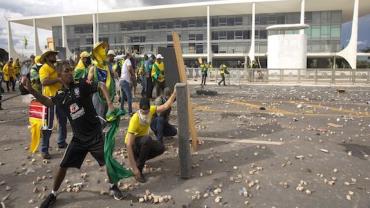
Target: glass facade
229,34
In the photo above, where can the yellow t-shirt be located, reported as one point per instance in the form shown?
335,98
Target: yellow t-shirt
48,72
138,129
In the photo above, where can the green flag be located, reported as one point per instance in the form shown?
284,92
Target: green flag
115,170
25,42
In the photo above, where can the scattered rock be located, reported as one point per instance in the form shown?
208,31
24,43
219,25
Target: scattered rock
324,150
218,199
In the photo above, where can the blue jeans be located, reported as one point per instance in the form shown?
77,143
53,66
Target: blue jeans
162,128
126,91
143,84
62,130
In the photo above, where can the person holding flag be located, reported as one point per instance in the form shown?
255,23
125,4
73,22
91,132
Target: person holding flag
100,72
75,99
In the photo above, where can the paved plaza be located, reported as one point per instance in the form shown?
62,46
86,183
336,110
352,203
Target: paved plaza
262,146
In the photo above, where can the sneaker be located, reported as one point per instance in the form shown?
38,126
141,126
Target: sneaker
49,201
116,193
46,156
63,146
140,179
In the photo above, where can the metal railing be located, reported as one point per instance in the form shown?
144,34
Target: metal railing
313,76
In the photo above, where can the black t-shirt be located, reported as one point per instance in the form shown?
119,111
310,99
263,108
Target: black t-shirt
76,103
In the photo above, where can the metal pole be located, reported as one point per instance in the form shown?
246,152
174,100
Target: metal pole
353,71
333,76
281,75
183,122
209,58
316,76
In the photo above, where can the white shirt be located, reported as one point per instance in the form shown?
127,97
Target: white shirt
125,73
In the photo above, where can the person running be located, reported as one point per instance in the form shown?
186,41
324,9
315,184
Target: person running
140,145
76,102
223,70
160,124
204,70
9,75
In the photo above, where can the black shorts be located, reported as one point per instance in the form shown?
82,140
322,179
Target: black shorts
77,150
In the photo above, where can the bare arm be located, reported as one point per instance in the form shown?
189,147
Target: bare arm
131,70
130,151
90,76
167,104
42,99
48,81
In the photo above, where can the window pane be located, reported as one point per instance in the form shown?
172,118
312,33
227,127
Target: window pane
238,35
325,31
230,35
315,32
335,31
324,18
263,34
184,23
336,17
316,18
222,35
222,21
246,34
230,21
192,36
238,20
192,23
215,35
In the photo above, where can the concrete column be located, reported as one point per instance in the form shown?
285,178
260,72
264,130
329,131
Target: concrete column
302,15
252,48
350,51
183,133
209,46
37,50
11,49
94,29
64,36
97,27
64,39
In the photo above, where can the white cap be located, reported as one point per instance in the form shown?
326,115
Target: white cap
111,52
159,56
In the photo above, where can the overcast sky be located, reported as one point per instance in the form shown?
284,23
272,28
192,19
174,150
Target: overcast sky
19,8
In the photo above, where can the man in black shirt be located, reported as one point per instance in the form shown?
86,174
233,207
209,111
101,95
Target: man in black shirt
76,101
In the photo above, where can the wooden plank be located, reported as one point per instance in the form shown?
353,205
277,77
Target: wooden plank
183,79
171,73
242,141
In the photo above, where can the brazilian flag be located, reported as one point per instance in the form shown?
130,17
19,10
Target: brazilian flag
115,170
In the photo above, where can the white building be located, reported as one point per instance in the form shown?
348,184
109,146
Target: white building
219,31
